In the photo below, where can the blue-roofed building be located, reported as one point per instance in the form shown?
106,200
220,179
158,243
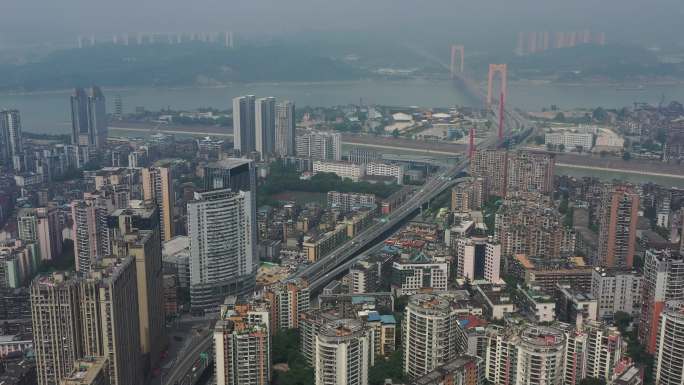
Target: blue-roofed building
385,331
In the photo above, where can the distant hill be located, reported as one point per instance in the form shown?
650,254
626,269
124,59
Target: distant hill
193,63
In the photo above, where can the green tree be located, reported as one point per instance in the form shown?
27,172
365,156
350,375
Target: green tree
395,133
622,321
390,367
560,117
626,155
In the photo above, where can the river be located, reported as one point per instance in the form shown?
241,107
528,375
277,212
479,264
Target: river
48,112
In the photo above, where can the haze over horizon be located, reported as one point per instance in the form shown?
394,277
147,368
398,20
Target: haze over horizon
485,22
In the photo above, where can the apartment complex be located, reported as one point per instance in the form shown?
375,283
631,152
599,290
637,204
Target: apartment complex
663,282
222,247
468,195
88,118
619,213
395,171
430,334
414,273
41,225
288,301
535,229
244,125
157,186
11,142
350,201
616,290
89,233
285,129
265,126
319,145
506,172
242,350
55,313
477,259
344,353
669,355
525,355
342,169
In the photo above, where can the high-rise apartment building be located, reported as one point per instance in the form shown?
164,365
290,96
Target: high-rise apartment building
430,335
285,129
616,290
108,301
517,171
490,165
89,217
532,228
11,144
41,225
244,125
344,353
663,282
222,231
618,217
319,145
56,326
135,232
464,370
477,259
157,186
593,350
530,172
88,118
525,355
265,126
242,345
468,195
234,174
288,300
669,355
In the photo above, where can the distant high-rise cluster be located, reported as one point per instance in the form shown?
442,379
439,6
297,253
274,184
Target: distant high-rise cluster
263,126
139,38
532,42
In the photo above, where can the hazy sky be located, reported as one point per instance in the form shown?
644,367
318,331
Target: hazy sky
36,20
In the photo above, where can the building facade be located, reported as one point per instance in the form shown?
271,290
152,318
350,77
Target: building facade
669,355
430,334
265,126
244,125
319,145
618,218
222,247
285,129
663,282
344,353
158,187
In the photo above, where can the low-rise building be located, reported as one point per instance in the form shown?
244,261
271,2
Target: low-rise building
496,301
342,169
418,272
537,306
572,301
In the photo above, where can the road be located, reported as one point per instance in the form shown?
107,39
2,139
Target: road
181,372
321,272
